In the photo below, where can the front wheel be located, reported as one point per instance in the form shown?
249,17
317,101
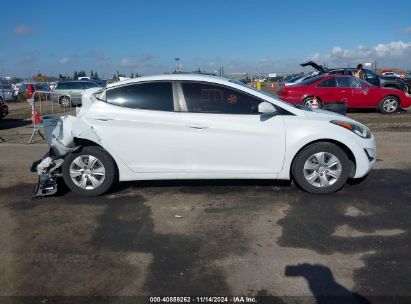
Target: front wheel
389,105
89,172
310,102
321,168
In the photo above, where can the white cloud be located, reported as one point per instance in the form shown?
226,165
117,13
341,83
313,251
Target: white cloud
127,63
64,60
396,53
21,29
314,57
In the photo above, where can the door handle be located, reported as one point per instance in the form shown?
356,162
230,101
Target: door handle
103,118
196,126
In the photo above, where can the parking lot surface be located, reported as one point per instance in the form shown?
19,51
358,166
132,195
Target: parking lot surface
209,237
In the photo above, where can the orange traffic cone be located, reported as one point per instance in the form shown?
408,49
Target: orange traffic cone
272,87
314,104
35,117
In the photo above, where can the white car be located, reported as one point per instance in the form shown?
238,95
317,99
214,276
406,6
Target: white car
188,126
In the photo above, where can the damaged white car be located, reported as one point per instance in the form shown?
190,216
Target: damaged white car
191,126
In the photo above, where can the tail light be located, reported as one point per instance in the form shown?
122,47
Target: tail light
283,90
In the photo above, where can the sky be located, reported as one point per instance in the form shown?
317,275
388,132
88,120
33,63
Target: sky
59,37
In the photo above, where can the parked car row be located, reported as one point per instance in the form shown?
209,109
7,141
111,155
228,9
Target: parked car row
371,77
388,94
356,93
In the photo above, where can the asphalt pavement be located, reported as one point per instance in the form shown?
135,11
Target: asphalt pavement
211,237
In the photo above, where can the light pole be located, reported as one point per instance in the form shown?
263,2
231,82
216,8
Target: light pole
177,60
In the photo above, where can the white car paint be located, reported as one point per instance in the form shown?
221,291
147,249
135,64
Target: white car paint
150,145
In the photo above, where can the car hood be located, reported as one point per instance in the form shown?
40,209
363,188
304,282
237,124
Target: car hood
318,114
314,65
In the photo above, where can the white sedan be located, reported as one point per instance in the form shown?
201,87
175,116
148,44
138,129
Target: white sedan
190,126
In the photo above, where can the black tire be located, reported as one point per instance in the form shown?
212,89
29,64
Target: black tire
308,100
110,172
65,101
385,105
305,155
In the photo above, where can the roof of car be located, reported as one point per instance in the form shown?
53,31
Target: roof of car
182,76
68,81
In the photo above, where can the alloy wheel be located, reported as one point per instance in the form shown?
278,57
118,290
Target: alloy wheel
322,169
390,105
87,172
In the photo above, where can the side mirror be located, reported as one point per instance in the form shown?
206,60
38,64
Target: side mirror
266,108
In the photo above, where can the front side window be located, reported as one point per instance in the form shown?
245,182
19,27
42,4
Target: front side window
357,83
147,96
208,98
343,82
329,83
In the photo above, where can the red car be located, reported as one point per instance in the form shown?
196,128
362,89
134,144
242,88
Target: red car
357,93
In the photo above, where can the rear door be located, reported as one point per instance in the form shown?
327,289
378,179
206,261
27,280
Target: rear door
139,125
226,137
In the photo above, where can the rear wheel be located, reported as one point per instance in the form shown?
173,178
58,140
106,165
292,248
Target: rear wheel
309,102
321,168
389,105
89,172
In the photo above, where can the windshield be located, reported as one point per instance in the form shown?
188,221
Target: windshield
267,94
254,89
311,80
293,79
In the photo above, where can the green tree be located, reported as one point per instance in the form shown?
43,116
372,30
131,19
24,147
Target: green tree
75,75
96,75
91,74
40,78
132,75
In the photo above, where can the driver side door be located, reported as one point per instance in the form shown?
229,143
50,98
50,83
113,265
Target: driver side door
226,137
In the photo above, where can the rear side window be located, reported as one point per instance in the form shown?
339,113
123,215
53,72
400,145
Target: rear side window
329,83
70,86
148,96
6,86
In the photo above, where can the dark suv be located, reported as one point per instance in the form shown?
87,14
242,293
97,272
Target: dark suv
371,77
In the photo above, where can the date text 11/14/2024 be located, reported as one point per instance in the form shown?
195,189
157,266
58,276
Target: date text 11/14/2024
205,299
